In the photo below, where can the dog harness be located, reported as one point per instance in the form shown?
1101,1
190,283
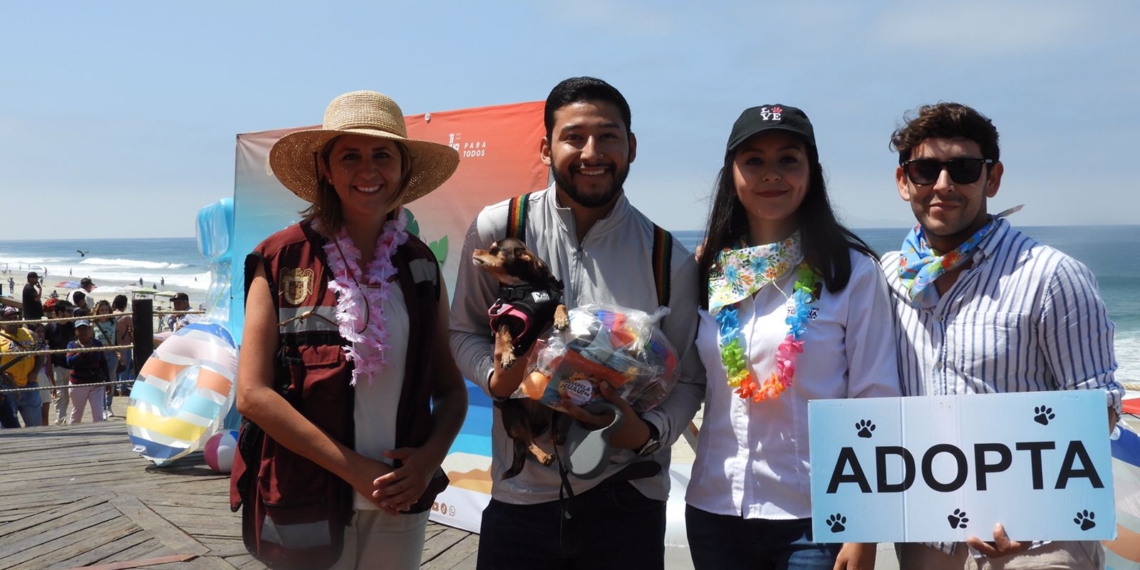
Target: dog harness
524,308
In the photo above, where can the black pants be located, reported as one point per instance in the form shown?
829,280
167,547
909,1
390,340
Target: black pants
610,526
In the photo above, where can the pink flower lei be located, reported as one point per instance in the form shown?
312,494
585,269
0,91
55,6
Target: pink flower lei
360,314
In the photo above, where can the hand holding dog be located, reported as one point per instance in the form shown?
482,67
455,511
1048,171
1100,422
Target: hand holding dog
503,383
632,433
400,488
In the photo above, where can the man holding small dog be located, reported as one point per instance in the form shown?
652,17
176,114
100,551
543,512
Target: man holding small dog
601,248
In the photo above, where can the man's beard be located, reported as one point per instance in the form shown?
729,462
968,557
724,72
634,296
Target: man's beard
563,182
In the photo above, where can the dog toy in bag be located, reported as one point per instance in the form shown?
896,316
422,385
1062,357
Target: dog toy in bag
623,347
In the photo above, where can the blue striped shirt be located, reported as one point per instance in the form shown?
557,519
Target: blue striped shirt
1023,318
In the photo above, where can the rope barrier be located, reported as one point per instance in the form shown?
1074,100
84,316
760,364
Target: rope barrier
68,350
61,386
96,318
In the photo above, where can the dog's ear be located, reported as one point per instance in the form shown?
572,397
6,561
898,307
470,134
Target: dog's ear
536,264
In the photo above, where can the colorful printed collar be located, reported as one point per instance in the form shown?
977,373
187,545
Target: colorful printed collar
739,273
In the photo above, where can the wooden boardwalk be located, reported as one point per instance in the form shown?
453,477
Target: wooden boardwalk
77,496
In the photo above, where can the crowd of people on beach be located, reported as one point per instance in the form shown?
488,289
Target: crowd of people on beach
84,375
79,379
781,305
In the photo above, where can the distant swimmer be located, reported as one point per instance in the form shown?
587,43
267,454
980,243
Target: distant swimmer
81,252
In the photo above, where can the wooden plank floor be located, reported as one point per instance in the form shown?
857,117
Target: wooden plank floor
77,496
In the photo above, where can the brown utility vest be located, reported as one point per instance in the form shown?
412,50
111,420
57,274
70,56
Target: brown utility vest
295,511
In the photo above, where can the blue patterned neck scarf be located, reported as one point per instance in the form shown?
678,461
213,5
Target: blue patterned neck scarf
920,266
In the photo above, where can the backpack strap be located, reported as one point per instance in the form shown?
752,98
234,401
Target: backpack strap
662,261
662,245
516,217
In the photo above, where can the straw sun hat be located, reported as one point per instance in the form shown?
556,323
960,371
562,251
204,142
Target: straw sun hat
293,158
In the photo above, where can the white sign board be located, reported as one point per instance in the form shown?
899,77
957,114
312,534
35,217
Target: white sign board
943,468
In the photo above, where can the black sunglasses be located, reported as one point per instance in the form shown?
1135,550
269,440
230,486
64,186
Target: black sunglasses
964,170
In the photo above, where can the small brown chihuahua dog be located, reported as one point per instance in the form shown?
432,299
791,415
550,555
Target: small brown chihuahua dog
529,298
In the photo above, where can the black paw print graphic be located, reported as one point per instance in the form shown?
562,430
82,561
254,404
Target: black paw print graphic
1044,414
836,522
865,428
958,519
1085,519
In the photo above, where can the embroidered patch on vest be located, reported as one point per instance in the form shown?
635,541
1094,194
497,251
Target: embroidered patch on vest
296,285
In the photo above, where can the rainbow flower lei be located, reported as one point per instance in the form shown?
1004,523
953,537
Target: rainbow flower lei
747,271
356,305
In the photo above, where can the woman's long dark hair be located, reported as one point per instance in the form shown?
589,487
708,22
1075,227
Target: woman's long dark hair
826,243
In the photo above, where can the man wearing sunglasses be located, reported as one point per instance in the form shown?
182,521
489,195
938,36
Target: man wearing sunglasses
983,308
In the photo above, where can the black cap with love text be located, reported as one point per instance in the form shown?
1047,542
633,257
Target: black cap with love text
766,117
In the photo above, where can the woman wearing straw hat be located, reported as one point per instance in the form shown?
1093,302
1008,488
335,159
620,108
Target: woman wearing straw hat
346,381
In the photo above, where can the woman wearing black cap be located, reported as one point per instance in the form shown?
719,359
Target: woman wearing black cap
783,277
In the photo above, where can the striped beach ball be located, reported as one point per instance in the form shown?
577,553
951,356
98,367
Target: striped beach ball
183,393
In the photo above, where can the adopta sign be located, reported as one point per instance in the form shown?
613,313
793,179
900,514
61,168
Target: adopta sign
943,468
1076,464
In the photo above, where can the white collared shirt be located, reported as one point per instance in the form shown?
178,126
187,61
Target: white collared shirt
752,457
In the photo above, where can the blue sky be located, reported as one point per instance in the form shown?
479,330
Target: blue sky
123,115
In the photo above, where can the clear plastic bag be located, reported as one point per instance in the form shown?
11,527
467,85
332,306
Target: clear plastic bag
620,346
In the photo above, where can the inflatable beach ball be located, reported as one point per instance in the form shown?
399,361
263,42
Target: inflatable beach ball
219,450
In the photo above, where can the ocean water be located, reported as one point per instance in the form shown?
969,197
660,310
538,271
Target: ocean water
1111,252
162,263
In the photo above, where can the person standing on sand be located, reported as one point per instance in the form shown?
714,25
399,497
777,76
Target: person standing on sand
33,291
963,276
